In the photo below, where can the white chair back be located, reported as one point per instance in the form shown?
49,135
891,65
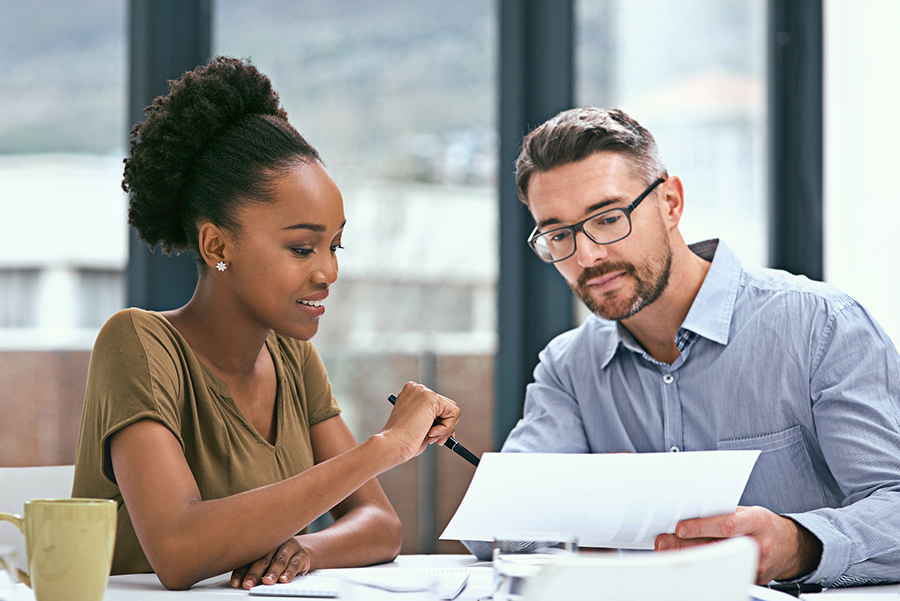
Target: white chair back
19,484
717,572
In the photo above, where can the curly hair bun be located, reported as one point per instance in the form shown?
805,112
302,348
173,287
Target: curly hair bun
179,129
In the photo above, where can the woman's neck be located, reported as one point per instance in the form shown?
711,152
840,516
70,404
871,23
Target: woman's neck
219,331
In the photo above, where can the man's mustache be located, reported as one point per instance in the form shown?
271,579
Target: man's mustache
596,271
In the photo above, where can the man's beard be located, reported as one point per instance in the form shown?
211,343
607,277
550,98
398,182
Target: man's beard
649,280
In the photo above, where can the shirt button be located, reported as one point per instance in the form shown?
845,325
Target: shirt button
668,378
674,449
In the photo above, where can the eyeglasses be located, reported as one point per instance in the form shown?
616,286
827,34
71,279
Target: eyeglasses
605,227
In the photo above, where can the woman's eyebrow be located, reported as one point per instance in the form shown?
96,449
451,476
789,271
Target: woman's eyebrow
316,227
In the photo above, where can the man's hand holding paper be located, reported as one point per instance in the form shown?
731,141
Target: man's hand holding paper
787,550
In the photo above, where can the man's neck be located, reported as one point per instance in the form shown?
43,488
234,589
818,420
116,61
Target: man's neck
656,325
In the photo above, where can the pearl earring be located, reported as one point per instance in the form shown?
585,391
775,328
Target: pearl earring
221,266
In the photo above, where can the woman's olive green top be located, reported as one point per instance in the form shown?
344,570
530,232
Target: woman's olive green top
141,368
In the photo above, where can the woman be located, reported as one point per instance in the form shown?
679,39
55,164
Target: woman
214,425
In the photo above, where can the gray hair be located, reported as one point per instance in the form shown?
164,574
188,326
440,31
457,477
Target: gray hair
576,134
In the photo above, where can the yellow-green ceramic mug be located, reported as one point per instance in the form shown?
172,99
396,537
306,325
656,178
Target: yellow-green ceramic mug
69,543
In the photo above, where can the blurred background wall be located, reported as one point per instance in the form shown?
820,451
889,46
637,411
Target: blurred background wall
401,97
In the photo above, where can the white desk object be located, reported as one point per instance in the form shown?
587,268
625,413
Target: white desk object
146,587
619,500
327,583
721,571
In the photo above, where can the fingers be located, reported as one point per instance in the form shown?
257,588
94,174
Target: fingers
439,434
277,566
723,526
253,573
671,542
421,417
289,560
297,566
701,531
786,550
237,576
446,415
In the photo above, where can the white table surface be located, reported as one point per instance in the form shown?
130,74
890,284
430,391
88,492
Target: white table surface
863,593
146,587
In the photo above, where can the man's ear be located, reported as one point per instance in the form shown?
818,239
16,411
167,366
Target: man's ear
215,245
672,199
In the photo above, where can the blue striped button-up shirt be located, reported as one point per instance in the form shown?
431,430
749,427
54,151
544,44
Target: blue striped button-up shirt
769,361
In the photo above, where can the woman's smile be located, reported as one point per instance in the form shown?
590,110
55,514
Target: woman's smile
314,305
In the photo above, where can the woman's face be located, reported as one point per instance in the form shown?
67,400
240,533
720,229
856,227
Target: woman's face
284,255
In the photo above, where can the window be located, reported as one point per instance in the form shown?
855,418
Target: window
861,129
101,292
693,73
398,97
18,298
62,137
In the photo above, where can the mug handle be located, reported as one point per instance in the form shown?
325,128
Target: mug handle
18,523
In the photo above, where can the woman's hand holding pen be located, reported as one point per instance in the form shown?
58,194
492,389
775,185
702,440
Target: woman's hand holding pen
420,417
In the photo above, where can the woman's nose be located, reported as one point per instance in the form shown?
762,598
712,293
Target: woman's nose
327,271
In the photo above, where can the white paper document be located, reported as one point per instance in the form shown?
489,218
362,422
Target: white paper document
619,500
449,582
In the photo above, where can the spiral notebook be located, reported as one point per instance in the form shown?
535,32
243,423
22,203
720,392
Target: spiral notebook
327,583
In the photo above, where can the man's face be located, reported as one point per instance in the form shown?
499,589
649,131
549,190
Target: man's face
616,280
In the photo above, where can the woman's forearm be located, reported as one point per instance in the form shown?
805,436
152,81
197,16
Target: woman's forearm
251,524
363,536
189,539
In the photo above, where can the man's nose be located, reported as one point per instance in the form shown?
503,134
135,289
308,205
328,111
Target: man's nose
588,252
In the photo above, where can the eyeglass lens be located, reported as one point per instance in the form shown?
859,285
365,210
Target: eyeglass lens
604,228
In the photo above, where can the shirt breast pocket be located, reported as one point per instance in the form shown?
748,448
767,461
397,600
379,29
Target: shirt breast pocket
783,479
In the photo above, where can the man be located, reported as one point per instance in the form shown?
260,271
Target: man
690,351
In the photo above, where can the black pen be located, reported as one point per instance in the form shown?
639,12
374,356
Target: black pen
796,588
451,443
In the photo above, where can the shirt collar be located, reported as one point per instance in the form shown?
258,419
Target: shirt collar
712,309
